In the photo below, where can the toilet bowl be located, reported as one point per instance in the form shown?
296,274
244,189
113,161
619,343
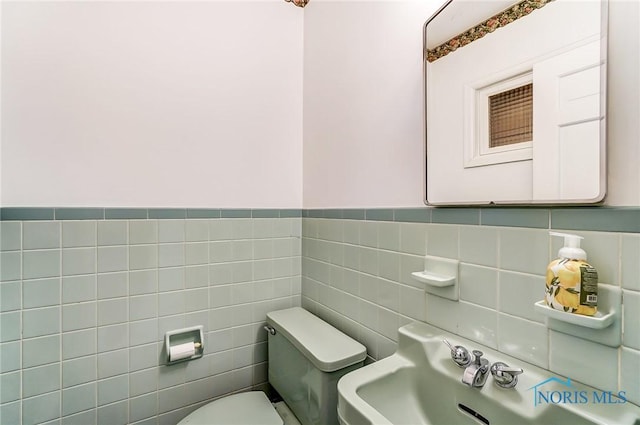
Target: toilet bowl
307,357
250,408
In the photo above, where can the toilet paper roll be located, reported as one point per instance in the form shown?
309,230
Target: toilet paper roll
182,351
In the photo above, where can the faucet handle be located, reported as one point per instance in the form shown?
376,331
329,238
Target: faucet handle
505,376
459,354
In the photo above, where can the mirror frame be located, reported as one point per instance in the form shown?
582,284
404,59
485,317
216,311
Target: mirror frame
603,133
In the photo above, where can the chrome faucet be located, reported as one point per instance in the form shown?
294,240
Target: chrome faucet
459,354
505,376
475,375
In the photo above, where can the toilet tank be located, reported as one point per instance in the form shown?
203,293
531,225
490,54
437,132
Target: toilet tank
307,356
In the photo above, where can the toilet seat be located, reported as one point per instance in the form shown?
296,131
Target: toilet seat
250,408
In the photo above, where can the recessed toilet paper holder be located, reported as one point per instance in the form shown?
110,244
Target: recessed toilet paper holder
184,344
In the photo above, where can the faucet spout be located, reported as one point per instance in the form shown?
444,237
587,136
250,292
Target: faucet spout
475,375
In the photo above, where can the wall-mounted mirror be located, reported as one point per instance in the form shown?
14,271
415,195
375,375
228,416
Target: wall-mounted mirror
515,102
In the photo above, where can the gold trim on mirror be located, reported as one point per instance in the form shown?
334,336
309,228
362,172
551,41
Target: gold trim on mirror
502,19
299,3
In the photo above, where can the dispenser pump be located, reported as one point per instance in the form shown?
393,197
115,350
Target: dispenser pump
571,249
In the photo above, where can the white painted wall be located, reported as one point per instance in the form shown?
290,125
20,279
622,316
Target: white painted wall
363,130
364,103
192,104
199,104
623,107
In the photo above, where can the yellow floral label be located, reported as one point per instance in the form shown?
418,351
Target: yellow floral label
572,286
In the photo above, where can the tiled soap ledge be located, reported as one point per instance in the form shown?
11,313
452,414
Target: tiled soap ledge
597,321
594,329
612,219
440,277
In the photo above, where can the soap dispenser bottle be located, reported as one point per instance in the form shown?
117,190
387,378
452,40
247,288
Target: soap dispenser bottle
571,282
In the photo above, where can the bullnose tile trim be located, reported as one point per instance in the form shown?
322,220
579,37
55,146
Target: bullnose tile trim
125,213
26,213
608,219
613,219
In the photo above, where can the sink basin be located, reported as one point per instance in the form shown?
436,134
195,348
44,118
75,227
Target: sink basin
420,384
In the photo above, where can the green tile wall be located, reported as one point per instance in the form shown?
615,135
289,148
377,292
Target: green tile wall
87,294
92,291
356,275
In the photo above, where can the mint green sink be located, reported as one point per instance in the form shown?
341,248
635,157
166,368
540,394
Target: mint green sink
420,384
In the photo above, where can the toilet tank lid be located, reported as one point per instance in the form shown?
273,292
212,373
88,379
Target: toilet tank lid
325,346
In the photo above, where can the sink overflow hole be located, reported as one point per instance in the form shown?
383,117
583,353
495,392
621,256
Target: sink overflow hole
477,416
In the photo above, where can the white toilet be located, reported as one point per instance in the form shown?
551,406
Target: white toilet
307,356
